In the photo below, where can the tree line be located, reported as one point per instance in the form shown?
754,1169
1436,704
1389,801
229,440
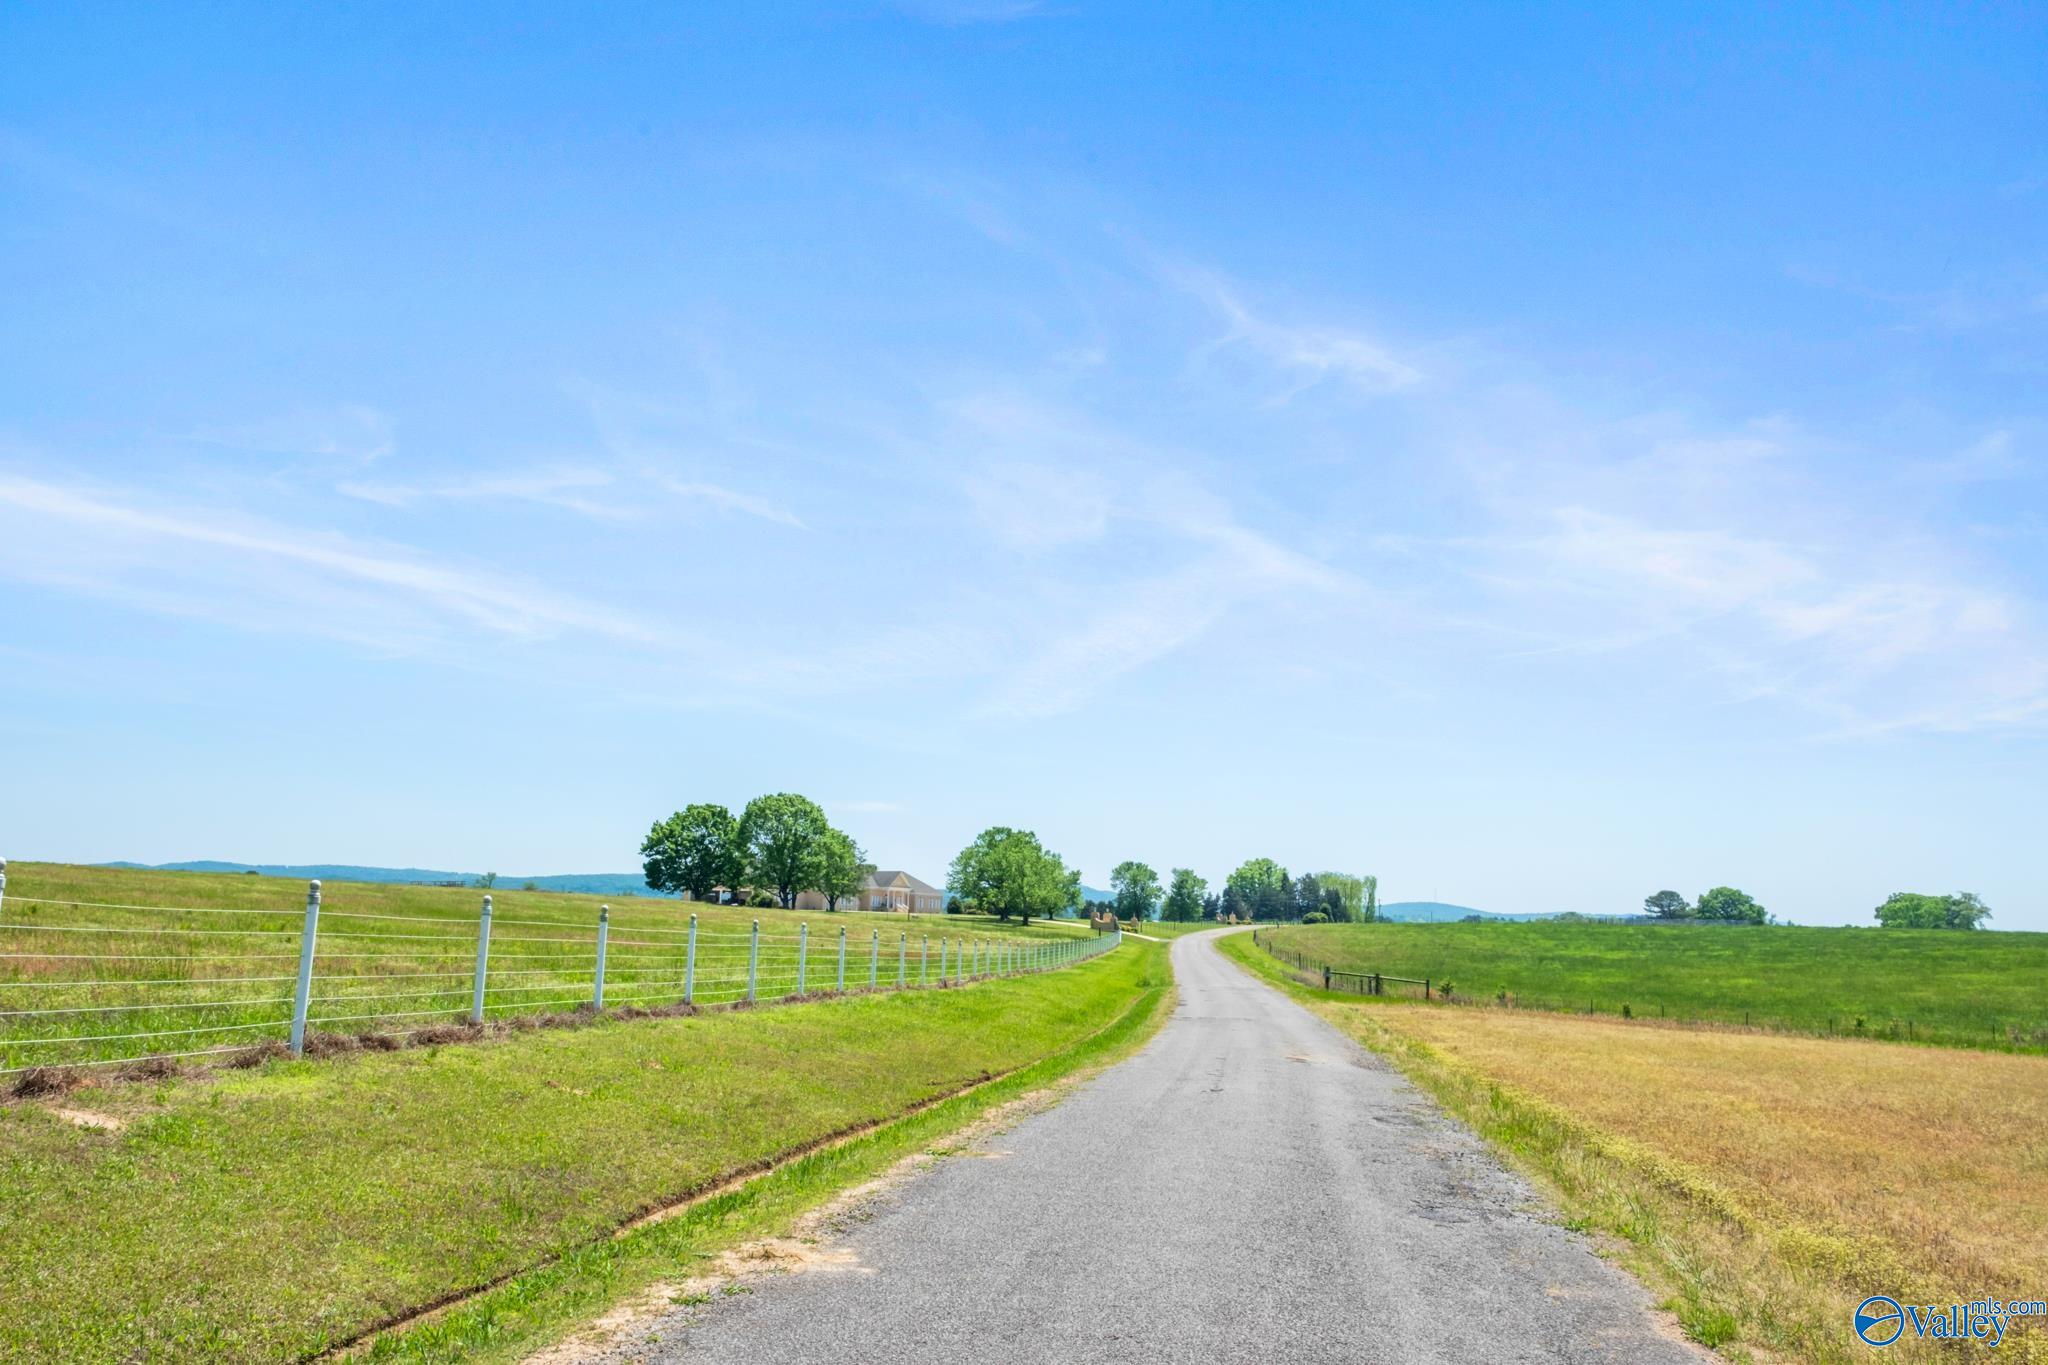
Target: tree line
777,848
1008,872
1721,905
1259,890
781,846
1901,910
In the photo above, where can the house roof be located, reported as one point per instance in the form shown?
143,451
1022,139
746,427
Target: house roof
885,877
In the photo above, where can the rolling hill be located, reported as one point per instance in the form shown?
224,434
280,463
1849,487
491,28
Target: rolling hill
588,883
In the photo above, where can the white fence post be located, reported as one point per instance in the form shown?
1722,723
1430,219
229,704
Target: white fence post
842,959
604,929
3,884
803,944
875,959
753,961
924,961
483,963
302,995
690,966
902,957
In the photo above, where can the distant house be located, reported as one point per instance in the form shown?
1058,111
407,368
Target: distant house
888,890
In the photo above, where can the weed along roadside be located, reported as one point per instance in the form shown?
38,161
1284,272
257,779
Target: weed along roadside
1764,1184
285,1210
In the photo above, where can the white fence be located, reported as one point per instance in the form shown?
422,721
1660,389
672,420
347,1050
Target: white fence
92,983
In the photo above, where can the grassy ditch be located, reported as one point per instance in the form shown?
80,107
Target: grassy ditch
1921,985
276,1213
1764,1184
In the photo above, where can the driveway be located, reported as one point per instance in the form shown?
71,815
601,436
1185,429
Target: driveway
1252,1186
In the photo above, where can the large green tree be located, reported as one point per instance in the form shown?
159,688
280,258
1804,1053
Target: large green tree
1730,906
1350,894
1914,910
1233,907
694,851
1264,888
1007,872
842,868
1137,890
1184,897
1667,905
784,836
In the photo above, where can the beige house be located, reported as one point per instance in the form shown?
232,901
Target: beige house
889,890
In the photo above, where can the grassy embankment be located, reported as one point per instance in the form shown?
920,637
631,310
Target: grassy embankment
1764,1184
272,1213
1957,989
217,970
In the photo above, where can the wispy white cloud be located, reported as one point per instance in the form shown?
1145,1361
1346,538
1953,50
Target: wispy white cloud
220,565
348,433
1038,505
1109,629
1310,352
567,488
731,500
1871,629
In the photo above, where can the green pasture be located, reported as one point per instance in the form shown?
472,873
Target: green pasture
98,965
1977,989
272,1213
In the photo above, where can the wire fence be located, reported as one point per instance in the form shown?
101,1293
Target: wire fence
1991,1033
97,984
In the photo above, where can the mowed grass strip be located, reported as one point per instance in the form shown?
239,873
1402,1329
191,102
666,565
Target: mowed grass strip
269,1214
1959,989
91,956
1768,1183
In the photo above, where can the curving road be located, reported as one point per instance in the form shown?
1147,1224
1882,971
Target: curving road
1252,1186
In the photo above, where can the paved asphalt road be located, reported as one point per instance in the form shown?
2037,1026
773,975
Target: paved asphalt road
1250,1187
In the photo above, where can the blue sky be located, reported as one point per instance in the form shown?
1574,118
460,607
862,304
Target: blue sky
1536,458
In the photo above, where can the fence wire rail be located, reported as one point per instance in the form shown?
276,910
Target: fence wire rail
65,1008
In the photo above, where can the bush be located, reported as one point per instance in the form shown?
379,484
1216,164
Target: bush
761,900
1315,917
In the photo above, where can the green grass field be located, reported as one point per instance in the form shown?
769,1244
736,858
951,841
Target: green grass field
272,1213
1159,928
199,962
1964,989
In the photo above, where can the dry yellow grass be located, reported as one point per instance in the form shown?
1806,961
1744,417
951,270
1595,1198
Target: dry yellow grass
1764,1184
1939,1156
1855,1168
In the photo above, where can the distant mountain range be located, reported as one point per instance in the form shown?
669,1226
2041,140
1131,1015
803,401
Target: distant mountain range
1424,912
633,884
589,883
